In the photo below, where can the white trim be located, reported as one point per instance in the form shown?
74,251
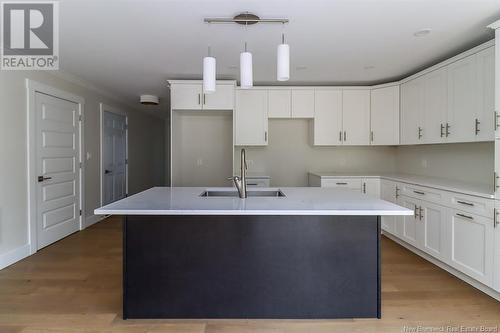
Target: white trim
14,255
93,219
473,282
495,25
32,87
102,108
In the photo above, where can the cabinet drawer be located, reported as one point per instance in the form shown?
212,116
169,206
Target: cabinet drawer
423,193
350,183
470,204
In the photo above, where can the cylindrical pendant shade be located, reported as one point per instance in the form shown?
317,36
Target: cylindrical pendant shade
246,70
283,63
209,70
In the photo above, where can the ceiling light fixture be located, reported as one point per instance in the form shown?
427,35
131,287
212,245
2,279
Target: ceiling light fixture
283,61
149,100
422,32
246,65
209,71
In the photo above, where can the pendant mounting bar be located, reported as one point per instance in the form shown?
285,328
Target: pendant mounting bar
245,19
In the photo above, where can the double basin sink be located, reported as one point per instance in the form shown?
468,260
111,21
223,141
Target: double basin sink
224,193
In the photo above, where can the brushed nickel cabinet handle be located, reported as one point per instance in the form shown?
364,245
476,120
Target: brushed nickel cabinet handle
371,136
364,188
495,181
420,212
204,98
397,192
495,217
199,99
465,203
265,136
419,132
465,216
418,192
448,129
340,136
477,123
496,121
442,130
345,136
341,183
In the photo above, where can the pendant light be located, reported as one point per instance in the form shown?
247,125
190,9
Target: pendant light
246,69
283,61
209,72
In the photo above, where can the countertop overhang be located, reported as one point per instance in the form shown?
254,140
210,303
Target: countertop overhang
298,201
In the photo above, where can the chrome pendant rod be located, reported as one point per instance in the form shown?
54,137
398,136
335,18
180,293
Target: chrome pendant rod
244,21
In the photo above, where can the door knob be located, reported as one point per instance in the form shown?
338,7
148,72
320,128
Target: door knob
42,178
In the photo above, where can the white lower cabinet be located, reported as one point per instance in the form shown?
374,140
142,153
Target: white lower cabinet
496,250
431,230
409,232
371,186
471,241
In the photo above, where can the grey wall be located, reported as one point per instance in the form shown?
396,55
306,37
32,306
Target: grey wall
146,140
467,162
289,155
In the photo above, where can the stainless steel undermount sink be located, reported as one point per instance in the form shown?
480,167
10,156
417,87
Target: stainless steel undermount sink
250,193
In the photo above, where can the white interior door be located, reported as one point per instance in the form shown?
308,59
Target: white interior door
114,157
58,169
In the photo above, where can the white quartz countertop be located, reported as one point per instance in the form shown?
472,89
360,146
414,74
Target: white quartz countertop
478,190
298,201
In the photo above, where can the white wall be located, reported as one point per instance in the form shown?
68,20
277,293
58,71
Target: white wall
467,162
146,160
202,149
289,156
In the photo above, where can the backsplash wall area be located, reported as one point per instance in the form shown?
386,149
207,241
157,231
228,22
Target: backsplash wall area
289,156
467,162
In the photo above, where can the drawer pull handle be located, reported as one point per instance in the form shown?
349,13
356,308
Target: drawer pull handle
465,216
341,183
418,192
465,203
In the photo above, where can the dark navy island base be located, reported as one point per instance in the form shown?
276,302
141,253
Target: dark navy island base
242,266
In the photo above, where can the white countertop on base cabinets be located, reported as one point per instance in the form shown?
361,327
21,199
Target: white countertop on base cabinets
479,190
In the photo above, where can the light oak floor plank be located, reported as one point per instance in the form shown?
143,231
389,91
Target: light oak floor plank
74,286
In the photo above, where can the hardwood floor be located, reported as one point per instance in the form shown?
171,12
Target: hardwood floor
74,286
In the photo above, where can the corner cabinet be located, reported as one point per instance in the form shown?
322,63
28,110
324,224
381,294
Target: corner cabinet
250,117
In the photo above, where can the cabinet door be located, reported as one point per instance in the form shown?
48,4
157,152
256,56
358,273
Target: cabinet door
409,233
371,186
356,117
432,231
221,99
496,253
186,96
412,97
462,100
435,106
280,104
387,193
327,118
496,181
251,117
303,103
384,116
472,245
485,114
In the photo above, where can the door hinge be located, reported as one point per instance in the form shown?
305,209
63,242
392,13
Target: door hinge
80,212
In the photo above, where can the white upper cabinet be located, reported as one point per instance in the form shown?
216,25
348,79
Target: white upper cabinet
462,100
328,118
221,99
186,96
435,106
303,103
412,115
356,117
189,95
250,117
384,116
484,121
280,103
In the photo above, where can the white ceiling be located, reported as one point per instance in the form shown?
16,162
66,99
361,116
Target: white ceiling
130,47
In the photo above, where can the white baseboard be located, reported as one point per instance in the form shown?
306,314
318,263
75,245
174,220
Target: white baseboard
476,284
14,256
93,219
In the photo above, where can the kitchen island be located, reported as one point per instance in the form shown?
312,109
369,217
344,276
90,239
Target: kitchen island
298,253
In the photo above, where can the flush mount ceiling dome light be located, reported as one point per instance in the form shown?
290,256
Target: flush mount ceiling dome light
149,100
246,65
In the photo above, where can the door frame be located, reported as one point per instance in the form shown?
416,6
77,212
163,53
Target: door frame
33,87
107,108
